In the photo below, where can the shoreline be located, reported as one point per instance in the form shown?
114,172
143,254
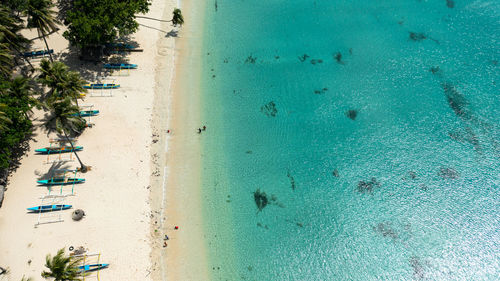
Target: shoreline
176,193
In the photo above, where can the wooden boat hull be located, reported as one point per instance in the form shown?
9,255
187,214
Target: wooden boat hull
48,208
87,113
101,86
92,267
120,66
37,53
120,46
60,181
48,150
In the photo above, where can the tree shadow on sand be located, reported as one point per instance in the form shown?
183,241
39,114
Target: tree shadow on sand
172,33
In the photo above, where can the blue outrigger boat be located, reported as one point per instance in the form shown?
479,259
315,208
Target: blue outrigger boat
48,208
120,66
87,113
58,149
119,46
37,53
92,267
101,86
61,181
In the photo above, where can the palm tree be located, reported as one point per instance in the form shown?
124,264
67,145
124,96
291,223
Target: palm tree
73,86
177,18
41,17
61,82
21,89
51,75
61,267
4,120
65,120
9,33
5,61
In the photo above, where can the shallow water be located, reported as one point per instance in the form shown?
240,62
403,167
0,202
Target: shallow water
372,127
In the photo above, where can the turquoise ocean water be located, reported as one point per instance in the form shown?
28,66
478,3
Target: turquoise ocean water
368,132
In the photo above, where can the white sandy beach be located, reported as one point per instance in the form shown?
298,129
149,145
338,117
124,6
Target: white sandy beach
116,194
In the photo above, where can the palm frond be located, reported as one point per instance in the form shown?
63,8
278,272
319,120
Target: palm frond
4,120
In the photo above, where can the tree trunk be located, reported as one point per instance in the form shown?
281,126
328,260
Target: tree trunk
148,18
46,45
79,114
83,168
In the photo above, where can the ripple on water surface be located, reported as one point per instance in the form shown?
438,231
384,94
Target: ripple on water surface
352,140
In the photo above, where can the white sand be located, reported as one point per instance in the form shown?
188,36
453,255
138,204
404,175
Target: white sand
115,196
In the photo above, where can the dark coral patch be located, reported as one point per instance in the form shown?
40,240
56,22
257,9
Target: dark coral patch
303,58
352,114
338,58
434,69
314,61
456,100
418,269
417,36
368,186
386,230
269,109
251,59
260,199
292,180
335,173
322,91
448,173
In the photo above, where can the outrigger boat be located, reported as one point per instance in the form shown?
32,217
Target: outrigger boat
37,53
120,66
87,113
101,86
119,46
58,149
60,180
48,208
92,267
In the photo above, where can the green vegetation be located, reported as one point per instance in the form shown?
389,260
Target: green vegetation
16,6
10,25
94,22
5,61
61,82
16,98
15,126
61,267
65,120
60,87
64,88
42,17
177,18
4,120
